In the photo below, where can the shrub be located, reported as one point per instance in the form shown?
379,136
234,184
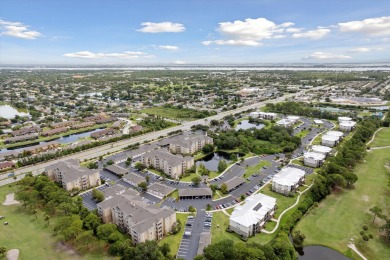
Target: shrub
365,228
362,233
365,238
370,236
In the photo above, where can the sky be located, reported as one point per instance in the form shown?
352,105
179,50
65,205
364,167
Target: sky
143,32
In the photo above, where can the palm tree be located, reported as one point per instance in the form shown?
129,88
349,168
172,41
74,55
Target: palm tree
377,211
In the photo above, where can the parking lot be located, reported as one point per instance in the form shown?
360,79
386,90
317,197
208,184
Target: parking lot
194,227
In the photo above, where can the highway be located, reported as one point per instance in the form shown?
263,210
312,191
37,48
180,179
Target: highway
120,145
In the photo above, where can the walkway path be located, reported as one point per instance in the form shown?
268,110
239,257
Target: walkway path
373,136
353,247
281,215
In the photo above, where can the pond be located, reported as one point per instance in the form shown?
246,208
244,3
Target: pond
9,112
320,253
62,140
211,161
244,125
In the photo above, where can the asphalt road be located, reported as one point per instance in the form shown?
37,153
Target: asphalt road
117,146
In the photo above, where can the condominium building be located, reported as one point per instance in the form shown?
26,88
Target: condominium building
249,218
72,176
287,180
263,115
343,119
141,220
321,149
347,126
189,144
170,164
314,159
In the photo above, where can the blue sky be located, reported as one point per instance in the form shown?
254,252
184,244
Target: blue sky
193,32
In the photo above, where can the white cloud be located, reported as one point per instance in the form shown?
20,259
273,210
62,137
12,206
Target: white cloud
365,49
312,34
319,55
249,32
168,47
379,26
233,42
179,62
18,30
122,55
150,27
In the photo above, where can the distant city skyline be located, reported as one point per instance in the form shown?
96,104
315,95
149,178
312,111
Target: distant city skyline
104,32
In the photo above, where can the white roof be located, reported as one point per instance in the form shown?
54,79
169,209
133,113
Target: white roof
265,113
285,122
317,121
332,138
335,133
344,118
254,114
288,176
249,213
295,118
321,149
315,156
348,123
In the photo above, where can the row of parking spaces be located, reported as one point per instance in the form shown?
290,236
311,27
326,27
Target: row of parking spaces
186,239
207,222
303,168
226,204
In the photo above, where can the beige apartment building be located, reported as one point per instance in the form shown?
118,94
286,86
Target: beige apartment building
170,164
141,220
72,176
189,144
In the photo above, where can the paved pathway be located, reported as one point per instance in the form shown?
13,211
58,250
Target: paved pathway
281,215
353,247
373,136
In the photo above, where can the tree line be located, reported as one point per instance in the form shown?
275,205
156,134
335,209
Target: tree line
271,140
77,226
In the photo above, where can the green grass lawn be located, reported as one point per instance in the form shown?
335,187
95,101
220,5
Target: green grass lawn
172,113
297,161
382,138
303,133
270,225
317,140
31,235
342,214
282,202
189,177
230,210
174,240
255,169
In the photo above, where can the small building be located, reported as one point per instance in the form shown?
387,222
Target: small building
347,126
321,149
343,119
318,122
263,115
287,180
25,131
249,218
234,183
54,131
133,179
195,193
104,132
21,138
313,159
6,165
160,190
117,170
113,190
339,134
